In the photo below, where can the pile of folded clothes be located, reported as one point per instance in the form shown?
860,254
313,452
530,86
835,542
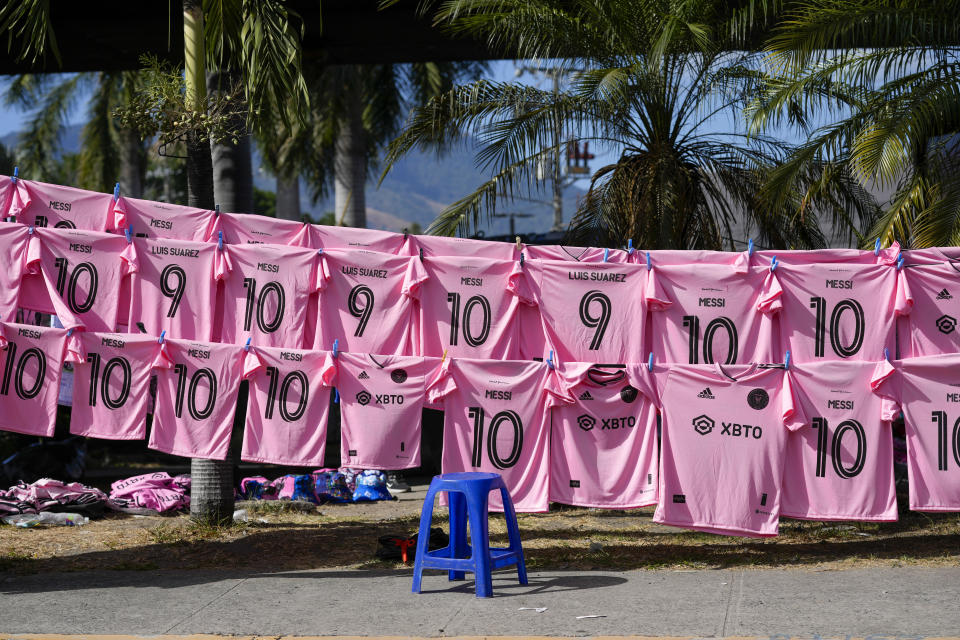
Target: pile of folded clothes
319,487
47,494
151,493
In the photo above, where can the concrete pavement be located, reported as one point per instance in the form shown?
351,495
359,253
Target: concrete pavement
908,602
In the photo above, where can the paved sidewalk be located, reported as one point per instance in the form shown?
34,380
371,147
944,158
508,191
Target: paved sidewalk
888,603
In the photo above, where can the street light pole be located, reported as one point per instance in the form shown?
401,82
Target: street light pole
557,180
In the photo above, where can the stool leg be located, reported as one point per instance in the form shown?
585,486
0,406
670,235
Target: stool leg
480,541
457,507
423,538
513,534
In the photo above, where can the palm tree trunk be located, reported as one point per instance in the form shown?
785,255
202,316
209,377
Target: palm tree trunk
133,164
211,489
232,166
350,160
288,198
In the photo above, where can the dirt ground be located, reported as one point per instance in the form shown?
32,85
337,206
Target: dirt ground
345,536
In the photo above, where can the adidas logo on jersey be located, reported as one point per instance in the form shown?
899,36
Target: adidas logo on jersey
586,396
363,376
944,295
706,393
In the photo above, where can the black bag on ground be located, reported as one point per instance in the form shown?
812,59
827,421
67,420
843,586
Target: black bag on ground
404,548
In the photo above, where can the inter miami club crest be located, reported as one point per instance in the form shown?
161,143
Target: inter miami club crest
399,375
758,399
363,398
628,394
586,422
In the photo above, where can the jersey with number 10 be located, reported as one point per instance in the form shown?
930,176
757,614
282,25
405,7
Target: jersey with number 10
111,386
714,313
266,293
31,358
497,419
175,287
366,304
82,271
591,312
52,205
839,311
249,228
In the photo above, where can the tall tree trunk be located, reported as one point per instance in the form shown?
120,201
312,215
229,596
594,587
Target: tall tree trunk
232,166
211,488
133,164
288,198
350,159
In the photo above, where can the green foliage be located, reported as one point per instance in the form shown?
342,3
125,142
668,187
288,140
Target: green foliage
264,203
30,36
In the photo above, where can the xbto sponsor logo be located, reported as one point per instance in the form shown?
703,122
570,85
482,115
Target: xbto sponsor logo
363,398
586,422
703,424
946,324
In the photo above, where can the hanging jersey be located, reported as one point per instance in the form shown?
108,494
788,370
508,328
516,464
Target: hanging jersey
932,293
13,257
111,385
196,399
497,420
722,451
928,391
329,237
438,246
8,188
365,302
31,358
288,407
250,228
740,260
931,255
49,205
577,254
265,293
467,308
82,271
381,401
603,444
838,311
706,314
591,312
798,257
175,288
149,219
839,465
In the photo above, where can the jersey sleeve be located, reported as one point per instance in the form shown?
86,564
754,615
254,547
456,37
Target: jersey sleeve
328,370
117,214
771,294
415,276
323,273
883,382
73,348
129,259
518,283
441,384
656,296
889,255
32,265
319,275
251,364
791,410
556,388
903,304
161,357
643,379
222,265
19,200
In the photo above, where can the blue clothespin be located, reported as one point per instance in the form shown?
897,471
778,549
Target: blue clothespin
886,354
319,252
162,336
246,347
550,360
650,362
216,209
900,261
630,245
30,230
16,174
649,264
336,396
786,361
773,264
606,254
876,247
116,192
750,247
219,239
521,258
69,332
129,233
336,347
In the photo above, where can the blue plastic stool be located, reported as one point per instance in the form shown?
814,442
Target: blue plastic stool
467,495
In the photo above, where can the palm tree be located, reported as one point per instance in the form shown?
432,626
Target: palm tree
888,115
647,79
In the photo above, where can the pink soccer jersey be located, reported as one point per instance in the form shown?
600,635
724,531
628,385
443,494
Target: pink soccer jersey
381,400
930,255
467,308
328,237
839,311
149,219
111,386
796,257
591,312
32,358
366,304
289,404
82,271
438,246
931,327
740,260
839,465
928,391
603,445
722,450
196,399
249,228
51,205
713,313
13,258
577,254
265,293
497,419
175,288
